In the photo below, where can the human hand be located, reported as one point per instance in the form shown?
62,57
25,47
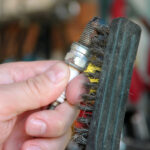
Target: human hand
25,89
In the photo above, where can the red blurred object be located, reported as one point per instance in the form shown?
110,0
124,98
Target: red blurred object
137,86
118,9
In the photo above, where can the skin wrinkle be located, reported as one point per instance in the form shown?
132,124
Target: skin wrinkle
18,134
16,73
32,88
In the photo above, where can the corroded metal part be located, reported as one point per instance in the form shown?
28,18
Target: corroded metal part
77,57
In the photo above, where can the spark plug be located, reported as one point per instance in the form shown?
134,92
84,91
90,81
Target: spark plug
77,58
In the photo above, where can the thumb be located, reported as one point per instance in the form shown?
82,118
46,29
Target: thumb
33,93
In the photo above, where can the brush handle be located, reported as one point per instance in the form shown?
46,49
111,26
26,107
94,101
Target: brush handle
108,116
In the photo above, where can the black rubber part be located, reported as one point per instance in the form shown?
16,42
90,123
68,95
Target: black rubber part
108,116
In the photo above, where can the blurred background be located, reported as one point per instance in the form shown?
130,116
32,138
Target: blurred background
44,29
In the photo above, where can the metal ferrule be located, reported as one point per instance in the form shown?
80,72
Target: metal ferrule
77,57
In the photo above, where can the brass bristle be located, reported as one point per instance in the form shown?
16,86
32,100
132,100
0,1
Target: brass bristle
79,139
88,108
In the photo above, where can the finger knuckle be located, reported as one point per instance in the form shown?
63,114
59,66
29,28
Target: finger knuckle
38,86
33,87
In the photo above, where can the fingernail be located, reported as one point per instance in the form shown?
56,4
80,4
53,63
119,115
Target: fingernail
33,148
58,72
36,127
